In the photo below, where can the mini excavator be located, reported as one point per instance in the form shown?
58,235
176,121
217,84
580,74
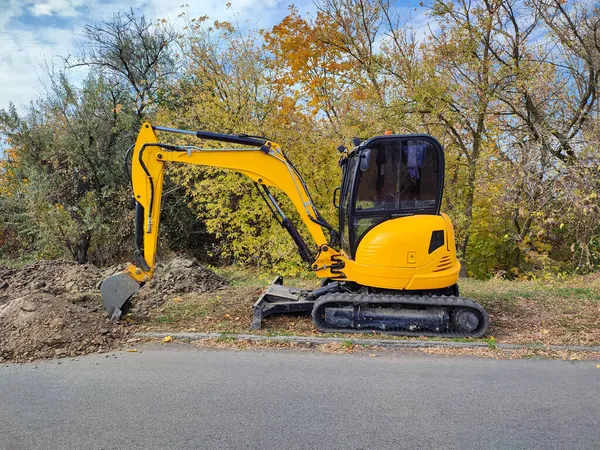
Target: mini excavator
390,266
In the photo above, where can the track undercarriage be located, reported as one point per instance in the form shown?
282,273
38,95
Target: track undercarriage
340,308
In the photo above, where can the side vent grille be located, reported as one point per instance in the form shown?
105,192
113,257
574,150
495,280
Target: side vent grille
445,263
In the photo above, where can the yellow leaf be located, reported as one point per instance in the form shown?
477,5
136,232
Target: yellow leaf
544,331
167,339
561,226
118,108
226,316
597,366
132,350
372,355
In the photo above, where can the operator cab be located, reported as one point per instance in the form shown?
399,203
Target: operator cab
388,177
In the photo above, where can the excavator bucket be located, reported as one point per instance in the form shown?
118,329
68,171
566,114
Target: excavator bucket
116,290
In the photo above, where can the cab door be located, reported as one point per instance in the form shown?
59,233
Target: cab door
348,182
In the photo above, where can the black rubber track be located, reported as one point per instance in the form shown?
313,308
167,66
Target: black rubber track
385,300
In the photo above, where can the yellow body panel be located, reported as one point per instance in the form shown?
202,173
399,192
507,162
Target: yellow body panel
395,255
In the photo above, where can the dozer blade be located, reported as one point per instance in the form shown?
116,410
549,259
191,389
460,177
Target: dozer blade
116,290
279,299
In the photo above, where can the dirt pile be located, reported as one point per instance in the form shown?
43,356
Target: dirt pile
41,325
54,308
174,277
59,278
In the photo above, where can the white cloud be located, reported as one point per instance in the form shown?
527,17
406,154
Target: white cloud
41,9
61,8
25,46
20,62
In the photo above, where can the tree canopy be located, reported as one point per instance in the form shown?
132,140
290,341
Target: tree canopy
510,88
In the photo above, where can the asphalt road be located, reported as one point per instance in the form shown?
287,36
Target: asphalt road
180,397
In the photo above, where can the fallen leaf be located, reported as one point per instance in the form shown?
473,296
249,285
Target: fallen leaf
597,366
167,339
544,331
132,350
226,316
372,355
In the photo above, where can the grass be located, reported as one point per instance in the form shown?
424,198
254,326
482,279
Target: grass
16,263
497,289
225,338
491,342
164,319
347,344
248,277
539,312
523,312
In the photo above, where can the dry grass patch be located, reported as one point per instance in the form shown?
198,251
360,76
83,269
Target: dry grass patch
533,312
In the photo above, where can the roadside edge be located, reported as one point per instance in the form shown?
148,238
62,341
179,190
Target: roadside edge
385,343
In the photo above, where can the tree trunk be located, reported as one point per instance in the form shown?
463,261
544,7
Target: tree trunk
83,245
470,195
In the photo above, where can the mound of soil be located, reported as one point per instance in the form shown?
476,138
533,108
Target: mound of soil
54,308
177,276
41,325
55,277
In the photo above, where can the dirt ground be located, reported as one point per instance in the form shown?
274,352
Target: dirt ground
521,312
54,308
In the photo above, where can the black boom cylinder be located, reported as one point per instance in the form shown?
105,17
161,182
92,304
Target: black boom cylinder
303,249
139,227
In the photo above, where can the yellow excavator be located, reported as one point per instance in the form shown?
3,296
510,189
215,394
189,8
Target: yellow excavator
389,267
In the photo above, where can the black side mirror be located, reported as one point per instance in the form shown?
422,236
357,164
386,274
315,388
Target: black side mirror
365,159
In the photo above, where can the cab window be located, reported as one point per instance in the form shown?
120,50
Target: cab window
403,175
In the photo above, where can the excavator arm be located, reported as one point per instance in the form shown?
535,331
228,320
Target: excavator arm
261,160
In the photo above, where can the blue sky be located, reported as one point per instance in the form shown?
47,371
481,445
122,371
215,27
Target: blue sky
34,33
